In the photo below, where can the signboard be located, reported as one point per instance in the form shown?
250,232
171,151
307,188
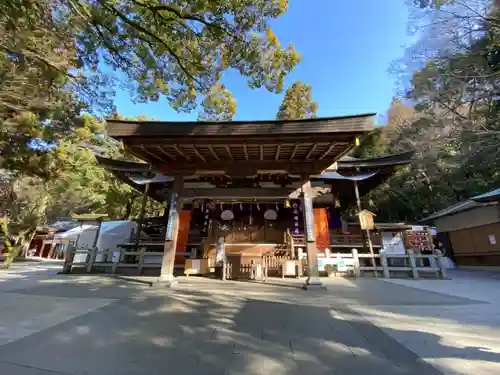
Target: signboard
492,239
342,264
309,218
393,245
366,219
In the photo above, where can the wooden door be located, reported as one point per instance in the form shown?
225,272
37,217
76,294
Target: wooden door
182,238
321,229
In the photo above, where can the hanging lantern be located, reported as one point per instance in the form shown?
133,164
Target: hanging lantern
227,215
270,215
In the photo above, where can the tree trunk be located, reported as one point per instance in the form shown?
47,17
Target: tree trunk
25,237
128,209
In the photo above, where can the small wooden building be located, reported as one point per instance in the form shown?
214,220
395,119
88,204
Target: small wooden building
470,230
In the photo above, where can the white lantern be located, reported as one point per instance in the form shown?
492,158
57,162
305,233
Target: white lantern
270,215
227,215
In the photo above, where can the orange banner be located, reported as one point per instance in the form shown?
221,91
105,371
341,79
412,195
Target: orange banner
182,238
321,229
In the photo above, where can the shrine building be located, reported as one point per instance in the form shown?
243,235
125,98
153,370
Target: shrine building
238,191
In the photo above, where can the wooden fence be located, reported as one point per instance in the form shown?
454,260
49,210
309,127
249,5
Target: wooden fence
386,265
389,264
111,260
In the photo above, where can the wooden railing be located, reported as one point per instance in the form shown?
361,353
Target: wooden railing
354,240
355,263
343,240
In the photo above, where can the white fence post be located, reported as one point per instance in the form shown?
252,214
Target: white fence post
413,264
117,262
384,264
433,264
441,265
91,255
68,260
355,262
141,260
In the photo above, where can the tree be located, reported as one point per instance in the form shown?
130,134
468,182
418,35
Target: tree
176,49
297,103
181,49
453,87
218,105
40,60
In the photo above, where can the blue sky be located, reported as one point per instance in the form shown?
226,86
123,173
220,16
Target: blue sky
347,47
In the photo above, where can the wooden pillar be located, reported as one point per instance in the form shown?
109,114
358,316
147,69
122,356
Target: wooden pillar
70,254
171,232
91,256
312,251
141,216
52,248
367,232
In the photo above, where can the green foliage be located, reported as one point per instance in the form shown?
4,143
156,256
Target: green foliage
179,49
431,3
24,214
218,105
374,144
51,54
297,103
452,126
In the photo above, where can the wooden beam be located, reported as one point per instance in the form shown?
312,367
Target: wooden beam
151,154
197,153
235,193
277,152
261,152
294,151
179,151
311,151
245,151
345,138
332,146
343,124
187,168
166,153
213,152
228,150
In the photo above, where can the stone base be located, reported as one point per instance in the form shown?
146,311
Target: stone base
165,282
313,283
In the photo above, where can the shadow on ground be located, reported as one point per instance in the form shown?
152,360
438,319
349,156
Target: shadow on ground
210,327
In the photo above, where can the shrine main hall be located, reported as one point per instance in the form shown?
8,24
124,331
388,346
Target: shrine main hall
255,187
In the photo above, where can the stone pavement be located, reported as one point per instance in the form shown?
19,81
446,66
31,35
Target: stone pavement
83,325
